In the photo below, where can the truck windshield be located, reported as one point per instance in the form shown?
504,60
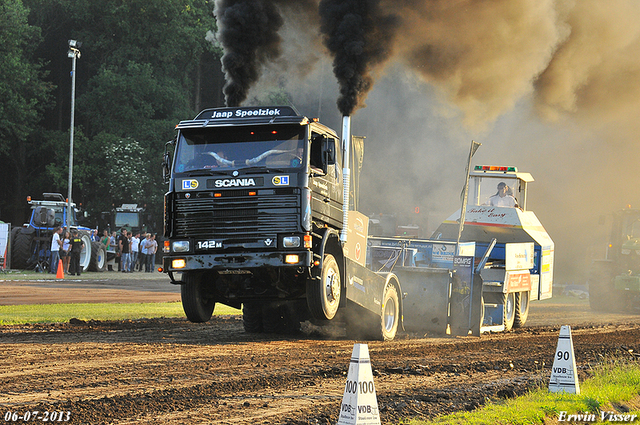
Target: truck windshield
229,148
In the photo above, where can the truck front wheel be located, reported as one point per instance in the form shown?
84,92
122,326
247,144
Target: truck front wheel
196,303
323,296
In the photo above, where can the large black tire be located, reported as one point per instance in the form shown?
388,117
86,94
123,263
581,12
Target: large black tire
197,304
509,311
252,317
280,319
521,309
12,241
323,296
22,250
602,294
85,254
98,257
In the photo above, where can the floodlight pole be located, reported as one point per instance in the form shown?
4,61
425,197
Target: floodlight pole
73,53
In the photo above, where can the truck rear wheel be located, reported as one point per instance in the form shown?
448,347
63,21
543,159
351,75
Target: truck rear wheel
280,319
367,325
509,311
196,303
390,314
252,317
521,309
21,250
98,257
323,296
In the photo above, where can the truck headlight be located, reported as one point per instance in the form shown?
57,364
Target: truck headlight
625,251
180,246
291,241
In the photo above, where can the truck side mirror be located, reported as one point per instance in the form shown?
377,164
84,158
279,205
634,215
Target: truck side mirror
166,162
328,152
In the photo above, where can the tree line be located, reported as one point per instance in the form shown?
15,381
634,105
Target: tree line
144,66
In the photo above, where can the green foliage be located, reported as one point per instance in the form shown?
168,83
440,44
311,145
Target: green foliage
127,172
612,383
61,313
24,95
143,67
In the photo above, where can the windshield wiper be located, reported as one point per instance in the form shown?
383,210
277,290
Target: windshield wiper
260,169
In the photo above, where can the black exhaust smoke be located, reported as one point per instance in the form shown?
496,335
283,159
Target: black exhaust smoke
248,33
359,34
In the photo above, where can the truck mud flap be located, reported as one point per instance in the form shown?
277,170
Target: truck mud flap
365,287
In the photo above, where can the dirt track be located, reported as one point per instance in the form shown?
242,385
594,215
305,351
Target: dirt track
172,371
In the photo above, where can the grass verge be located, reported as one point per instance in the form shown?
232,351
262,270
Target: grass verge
60,313
614,388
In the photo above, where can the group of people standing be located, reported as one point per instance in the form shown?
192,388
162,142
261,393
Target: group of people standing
66,248
134,251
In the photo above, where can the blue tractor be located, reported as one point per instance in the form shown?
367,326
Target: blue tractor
31,243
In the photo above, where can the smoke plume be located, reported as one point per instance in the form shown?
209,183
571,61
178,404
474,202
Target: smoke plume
248,33
573,58
359,34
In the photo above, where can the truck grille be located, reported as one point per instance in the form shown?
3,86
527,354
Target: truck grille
236,215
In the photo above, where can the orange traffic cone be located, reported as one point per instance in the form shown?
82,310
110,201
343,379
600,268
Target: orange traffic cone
60,274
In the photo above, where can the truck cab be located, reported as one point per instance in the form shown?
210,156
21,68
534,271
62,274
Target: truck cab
244,190
255,218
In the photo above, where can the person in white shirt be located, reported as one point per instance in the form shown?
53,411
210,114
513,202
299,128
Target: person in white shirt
56,243
502,198
135,245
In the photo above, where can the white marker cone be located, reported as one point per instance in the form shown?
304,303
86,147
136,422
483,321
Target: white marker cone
564,374
359,403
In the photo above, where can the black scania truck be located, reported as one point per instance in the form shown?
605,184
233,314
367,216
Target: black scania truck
261,215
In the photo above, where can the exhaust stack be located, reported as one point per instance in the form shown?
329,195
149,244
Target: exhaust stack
346,175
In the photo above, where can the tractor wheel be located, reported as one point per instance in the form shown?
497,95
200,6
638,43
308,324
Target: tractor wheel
85,254
509,311
601,287
98,257
21,251
522,309
12,242
252,317
323,296
197,304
